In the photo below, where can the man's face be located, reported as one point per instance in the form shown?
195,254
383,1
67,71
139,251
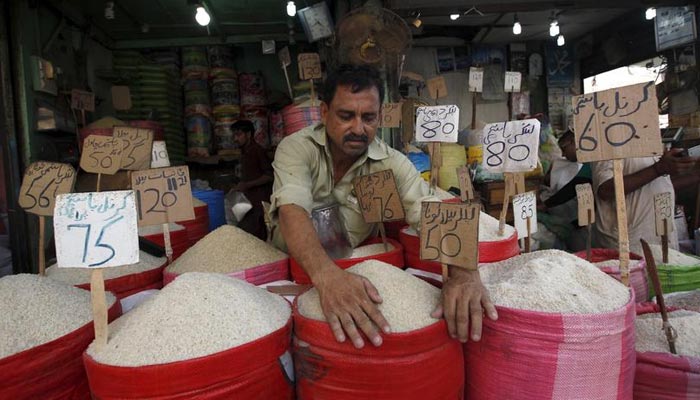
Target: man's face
240,137
568,149
351,120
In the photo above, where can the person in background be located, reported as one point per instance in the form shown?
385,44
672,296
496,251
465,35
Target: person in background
256,178
644,177
318,164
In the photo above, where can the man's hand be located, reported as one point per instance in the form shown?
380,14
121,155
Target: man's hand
464,299
348,302
242,187
673,163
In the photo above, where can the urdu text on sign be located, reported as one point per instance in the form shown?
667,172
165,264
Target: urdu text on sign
511,146
437,124
379,197
42,182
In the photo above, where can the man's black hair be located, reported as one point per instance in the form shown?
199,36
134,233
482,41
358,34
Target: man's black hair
243,125
358,77
569,134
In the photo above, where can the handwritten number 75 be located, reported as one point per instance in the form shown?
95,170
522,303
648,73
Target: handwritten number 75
98,242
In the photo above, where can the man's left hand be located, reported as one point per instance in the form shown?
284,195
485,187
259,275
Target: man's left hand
242,187
464,300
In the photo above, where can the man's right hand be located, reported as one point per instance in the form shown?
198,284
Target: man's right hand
673,163
349,302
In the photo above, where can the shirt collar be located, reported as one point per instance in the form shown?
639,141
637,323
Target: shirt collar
377,150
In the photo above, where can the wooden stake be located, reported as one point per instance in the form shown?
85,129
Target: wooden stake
382,232
289,85
445,273
527,239
435,164
508,185
99,308
313,93
99,180
473,126
166,240
664,242
42,256
623,236
588,239
82,117
671,334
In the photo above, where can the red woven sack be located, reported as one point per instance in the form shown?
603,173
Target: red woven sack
198,227
125,286
532,355
664,376
266,273
53,370
420,365
253,371
394,257
638,272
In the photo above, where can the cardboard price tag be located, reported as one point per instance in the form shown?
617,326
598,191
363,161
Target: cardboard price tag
511,146
159,155
378,197
664,210
163,195
449,233
284,57
524,207
136,146
391,115
82,100
309,66
437,124
512,81
586,204
101,155
437,88
96,230
617,123
466,188
42,182
476,79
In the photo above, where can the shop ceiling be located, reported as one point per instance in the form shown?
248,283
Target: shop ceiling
164,23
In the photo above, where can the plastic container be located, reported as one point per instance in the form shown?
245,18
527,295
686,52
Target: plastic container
215,206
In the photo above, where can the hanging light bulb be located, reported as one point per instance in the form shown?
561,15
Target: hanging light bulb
291,8
417,21
202,16
553,28
650,13
560,40
454,17
517,28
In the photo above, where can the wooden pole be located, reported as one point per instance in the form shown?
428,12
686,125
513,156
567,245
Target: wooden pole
313,93
473,126
99,308
166,240
42,256
527,239
99,180
664,242
289,85
382,233
623,236
508,185
588,239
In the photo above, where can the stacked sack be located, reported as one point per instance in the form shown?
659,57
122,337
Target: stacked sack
225,98
45,325
298,116
195,73
254,105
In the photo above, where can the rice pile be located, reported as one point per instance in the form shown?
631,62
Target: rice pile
614,264
407,300
443,194
158,229
675,257
649,335
370,250
488,229
198,314
552,281
79,276
226,249
35,310
686,300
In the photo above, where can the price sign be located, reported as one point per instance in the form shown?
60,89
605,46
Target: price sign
309,66
437,124
378,196
163,195
449,233
42,182
391,115
664,210
465,184
511,146
586,204
82,100
512,81
476,79
101,155
159,155
437,88
617,123
96,230
524,207
136,146
284,57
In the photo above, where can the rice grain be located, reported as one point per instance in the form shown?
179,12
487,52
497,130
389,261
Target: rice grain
80,276
371,250
649,335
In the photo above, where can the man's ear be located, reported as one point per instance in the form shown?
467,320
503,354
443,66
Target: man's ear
324,112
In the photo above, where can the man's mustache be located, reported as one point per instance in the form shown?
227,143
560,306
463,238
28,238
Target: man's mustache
353,137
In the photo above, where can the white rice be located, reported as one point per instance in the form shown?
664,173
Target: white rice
649,335
552,281
227,249
614,264
675,257
196,315
687,300
407,300
370,250
80,276
488,229
36,310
